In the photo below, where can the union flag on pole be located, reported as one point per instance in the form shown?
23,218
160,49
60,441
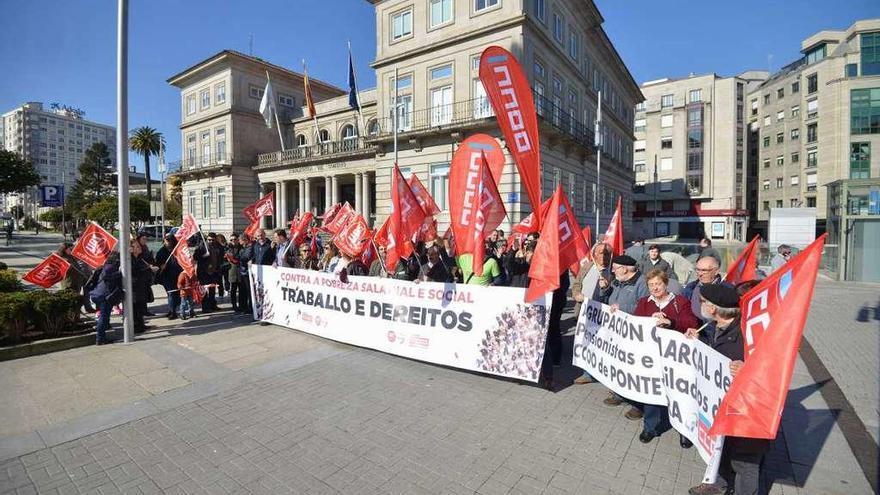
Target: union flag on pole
429,206
544,270
405,219
48,273
262,207
488,212
774,313
340,219
187,229
185,258
300,227
354,237
94,245
614,234
746,265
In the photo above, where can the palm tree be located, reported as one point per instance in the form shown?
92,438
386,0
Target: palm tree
147,141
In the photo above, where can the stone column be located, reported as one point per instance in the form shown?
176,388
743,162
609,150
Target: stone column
328,192
334,190
307,194
301,200
365,194
264,222
282,210
358,198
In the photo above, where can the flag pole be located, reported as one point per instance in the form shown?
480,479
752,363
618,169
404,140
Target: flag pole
597,140
275,111
357,96
122,167
396,86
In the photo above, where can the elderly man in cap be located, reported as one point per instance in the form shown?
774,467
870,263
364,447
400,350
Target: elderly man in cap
741,458
627,288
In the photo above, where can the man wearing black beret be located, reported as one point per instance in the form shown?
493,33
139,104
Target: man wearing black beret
741,458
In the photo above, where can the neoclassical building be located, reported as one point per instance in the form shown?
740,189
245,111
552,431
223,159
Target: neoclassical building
427,61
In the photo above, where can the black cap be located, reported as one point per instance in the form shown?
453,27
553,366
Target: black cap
720,295
623,260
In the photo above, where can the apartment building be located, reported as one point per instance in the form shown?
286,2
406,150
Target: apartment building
818,119
222,131
54,139
690,155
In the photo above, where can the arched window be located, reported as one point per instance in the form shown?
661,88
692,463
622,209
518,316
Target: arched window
373,128
325,136
349,132
301,140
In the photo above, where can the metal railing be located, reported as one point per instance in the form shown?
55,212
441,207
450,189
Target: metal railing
200,162
310,152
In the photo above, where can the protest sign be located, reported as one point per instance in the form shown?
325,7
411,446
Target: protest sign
486,329
652,365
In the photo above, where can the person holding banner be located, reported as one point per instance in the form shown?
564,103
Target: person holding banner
707,274
233,251
672,312
263,254
305,260
244,256
377,267
76,277
284,257
434,270
741,458
627,288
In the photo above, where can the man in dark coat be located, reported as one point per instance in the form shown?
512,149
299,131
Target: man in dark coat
553,348
263,254
707,274
105,295
167,275
434,270
209,257
141,285
740,466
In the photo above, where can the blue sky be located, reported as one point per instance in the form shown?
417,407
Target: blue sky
65,51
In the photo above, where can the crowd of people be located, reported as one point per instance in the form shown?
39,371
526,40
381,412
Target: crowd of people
644,281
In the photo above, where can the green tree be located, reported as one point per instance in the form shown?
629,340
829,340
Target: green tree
173,212
95,180
147,141
139,208
16,174
52,216
106,210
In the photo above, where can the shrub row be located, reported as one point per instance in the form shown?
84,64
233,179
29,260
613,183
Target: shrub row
49,313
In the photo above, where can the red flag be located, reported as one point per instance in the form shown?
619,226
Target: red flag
423,196
185,258
746,265
515,237
380,235
369,254
464,173
187,229
252,229
353,238
330,212
310,101
339,220
313,244
526,226
544,270
487,213
427,231
406,218
300,227
614,234
587,233
94,245
508,89
49,272
572,248
263,207
753,405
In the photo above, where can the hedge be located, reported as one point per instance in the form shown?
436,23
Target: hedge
48,313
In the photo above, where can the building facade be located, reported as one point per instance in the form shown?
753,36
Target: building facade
222,132
427,62
817,121
54,139
690,157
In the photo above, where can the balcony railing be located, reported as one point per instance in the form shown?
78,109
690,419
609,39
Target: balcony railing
476,111
332,149
196,163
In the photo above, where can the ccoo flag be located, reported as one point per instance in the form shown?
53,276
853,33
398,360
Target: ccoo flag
778,306
614,234
746,265
508,90
48,273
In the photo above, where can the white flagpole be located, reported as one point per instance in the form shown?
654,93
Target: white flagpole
357,96
122,167
396,85
598,143
275,111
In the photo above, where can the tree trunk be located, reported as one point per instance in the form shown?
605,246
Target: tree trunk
147,174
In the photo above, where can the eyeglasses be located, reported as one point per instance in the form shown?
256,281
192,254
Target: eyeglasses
706,270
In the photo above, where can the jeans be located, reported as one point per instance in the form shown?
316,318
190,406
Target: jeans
173,302
656,418
103,324
740,470
186,307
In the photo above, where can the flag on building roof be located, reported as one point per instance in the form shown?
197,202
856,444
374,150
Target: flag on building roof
352,83
267,104
310,101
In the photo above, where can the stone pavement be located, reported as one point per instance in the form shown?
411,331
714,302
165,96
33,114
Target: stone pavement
216,405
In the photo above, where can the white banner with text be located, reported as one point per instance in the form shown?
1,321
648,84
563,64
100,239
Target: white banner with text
653,365
486,329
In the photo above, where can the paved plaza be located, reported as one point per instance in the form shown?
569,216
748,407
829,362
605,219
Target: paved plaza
223,405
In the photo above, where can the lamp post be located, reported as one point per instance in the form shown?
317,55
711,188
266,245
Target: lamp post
656,186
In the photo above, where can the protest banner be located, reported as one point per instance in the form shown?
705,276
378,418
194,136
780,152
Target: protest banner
485,329
652,365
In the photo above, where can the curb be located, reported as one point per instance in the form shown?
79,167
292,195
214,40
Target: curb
46,346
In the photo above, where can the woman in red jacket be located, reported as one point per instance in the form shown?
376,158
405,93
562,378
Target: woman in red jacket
672,312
